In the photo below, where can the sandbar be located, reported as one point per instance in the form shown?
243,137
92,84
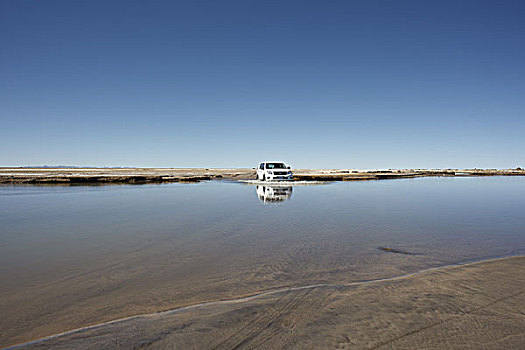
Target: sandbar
76,176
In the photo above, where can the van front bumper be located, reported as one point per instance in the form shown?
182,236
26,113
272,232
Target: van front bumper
279,178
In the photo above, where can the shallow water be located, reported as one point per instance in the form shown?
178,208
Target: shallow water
71,256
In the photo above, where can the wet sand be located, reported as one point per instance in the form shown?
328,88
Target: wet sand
472,306
130,277
160,175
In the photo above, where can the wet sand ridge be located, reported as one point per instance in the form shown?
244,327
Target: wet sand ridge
477,305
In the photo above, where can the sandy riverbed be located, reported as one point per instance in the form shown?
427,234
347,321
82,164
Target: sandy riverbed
477,305
78,256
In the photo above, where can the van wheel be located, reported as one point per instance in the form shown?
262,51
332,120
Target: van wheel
264,177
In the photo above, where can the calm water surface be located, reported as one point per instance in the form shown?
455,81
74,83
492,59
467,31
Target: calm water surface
108,251
453,219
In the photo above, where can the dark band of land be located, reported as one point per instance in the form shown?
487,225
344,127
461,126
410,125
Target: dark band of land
161,175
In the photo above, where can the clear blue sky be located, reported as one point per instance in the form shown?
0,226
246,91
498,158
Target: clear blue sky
338,84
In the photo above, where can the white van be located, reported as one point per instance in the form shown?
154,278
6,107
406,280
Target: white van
269,171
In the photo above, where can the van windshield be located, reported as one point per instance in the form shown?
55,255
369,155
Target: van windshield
275,166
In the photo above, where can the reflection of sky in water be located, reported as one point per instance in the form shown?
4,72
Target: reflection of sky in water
445,219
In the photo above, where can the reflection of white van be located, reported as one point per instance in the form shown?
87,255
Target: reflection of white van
269,194
269,171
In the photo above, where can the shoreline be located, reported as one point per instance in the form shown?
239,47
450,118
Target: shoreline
87,176
411,277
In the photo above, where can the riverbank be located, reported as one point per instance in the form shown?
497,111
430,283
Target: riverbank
161,175
466,306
